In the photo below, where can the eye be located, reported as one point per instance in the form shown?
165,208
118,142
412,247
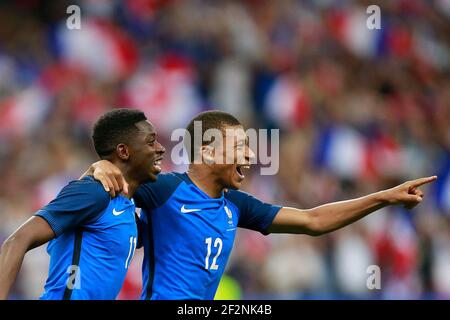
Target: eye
151,143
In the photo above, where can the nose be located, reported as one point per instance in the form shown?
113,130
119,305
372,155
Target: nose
160,149
250,154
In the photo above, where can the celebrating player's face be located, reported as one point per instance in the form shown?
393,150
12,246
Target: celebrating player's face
232,156
147,152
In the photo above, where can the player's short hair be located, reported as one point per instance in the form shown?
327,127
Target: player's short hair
213,119
115,127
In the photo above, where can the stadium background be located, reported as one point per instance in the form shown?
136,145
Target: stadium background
359,110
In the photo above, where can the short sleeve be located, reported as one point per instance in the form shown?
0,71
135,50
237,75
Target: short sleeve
253,213
77,203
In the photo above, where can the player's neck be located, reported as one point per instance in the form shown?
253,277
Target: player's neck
205,182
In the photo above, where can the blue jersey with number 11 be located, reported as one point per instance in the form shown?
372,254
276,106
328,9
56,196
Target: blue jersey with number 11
188,236
95,241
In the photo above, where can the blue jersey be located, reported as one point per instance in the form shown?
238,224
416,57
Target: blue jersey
95,241
188,236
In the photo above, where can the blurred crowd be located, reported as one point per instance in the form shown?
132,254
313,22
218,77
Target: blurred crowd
359,110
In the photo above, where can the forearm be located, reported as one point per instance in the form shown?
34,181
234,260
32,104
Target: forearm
11,258
329,217
332,216
33,233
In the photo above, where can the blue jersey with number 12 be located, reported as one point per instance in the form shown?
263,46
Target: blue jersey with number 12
188,236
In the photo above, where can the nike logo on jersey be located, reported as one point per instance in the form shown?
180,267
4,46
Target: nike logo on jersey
184,210
116,213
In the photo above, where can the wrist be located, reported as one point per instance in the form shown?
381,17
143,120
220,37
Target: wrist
383,197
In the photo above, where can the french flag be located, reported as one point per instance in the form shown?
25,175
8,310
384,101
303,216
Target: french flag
99,48
342,150
349,27
166,92
287,103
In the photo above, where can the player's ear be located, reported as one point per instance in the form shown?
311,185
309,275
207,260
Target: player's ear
123,151
207,154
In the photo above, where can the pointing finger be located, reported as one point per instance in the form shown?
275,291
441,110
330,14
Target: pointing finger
422,181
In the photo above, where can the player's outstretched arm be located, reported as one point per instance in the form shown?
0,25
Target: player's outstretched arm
109,176
33,233
333,216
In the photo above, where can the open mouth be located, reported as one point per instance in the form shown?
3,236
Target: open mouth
239,170
157,165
